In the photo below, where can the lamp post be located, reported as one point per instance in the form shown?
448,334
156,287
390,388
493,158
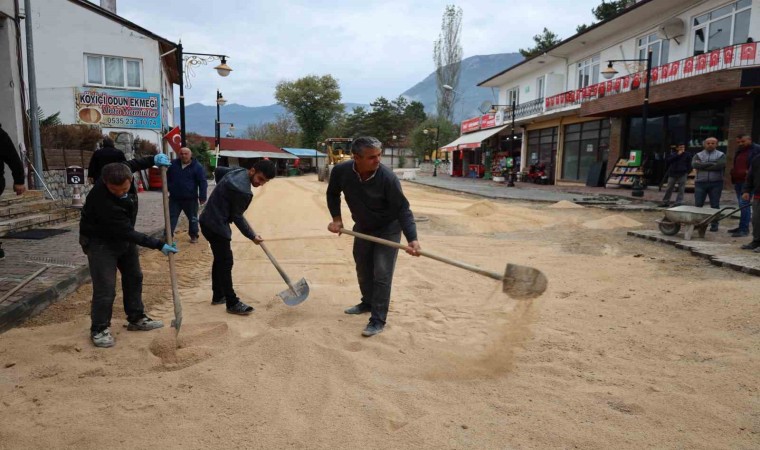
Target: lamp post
394,137
185,63
435,165
220,101
608,73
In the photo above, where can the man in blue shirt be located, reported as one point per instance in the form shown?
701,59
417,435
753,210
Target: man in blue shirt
379,208
187,189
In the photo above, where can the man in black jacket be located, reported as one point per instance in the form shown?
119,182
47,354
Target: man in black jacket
109,239
9,156
228,202
107,154
679,166
379,208
751,191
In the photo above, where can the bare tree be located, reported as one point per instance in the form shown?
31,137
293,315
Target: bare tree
283,132
447,55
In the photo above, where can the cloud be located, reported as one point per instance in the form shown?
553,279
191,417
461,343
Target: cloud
374,48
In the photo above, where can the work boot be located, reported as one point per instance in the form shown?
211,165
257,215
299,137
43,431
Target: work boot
373,328
740,233
145,323
102,339
733,230
751,246
361,308
240,309
218,301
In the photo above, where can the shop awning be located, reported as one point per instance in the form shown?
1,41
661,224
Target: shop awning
305,152
255,154
471,140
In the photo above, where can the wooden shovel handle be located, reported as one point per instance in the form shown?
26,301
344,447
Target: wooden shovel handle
168,237
277,266
443,259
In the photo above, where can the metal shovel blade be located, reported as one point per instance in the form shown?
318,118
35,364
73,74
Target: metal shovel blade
297,295
523,282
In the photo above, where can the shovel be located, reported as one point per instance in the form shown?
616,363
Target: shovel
296,293
520,282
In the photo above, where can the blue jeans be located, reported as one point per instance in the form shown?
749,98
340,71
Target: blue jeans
375,264
746,214
190,208
711,189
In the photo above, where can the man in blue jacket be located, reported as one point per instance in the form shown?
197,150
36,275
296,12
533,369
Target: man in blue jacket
227,204
187,189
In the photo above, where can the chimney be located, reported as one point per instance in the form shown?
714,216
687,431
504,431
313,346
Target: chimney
109,5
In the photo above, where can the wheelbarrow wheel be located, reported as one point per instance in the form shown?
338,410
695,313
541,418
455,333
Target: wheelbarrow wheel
669,228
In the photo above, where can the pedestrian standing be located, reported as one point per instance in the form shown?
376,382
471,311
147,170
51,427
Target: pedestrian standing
9,156
379,208
710,164
106,154
187,190
746,152
679,167
108,237
751,191
228,202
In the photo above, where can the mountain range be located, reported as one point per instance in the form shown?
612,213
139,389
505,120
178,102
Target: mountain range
200,118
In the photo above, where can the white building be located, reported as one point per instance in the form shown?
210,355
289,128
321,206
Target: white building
91,66
567,115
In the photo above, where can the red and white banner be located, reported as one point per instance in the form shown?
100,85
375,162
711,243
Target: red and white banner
470,125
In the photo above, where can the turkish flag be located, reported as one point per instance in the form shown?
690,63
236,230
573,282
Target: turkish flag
674,68
688,66
655,73
618,84
748,51
702,62
665,71
714,58
174,138
636,81
601,90
728,55
592,90
626,82
570,97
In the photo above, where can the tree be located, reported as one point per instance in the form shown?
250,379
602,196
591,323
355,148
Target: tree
283,132
201,150
544,41
447,55
607,10
314,101
423,144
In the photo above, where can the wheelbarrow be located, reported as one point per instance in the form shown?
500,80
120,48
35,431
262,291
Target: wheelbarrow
694,218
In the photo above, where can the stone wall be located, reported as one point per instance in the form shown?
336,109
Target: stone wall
56,183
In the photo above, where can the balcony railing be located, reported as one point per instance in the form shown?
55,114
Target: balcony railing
731,57
528,108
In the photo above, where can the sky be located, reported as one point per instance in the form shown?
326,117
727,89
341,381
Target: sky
373,48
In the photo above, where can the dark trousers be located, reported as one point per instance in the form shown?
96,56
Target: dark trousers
746,214
190,208
756,220
374,269
711,189
105,258
672,181
221,268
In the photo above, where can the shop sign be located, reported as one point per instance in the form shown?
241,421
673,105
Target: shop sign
118,109
470,125
487,121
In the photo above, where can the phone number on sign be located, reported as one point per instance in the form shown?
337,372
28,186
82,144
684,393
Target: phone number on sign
129,122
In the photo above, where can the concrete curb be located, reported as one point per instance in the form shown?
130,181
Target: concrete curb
35,303
712,251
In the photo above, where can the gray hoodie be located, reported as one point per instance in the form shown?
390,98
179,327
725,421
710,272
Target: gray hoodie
227,203
710,165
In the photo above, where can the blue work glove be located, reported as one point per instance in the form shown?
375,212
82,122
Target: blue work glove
166,249
161,160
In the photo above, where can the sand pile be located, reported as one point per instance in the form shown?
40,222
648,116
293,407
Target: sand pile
480,209
194,344
564,204
612,223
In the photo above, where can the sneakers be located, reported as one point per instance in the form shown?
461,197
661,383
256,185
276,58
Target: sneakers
361,308
240,308
145,324
194,240
102,339
373,328
751,246
219,301
740,233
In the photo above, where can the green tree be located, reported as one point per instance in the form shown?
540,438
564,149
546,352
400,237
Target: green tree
544,41
314,101
607,10
283,132
423,143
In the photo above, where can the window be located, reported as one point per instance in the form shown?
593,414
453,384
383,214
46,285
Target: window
542,148
112,71
584,144
728,25
588,72
540,87
660,49
513,96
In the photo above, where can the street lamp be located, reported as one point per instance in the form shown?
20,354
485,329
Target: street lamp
426,131
394,137
185,64
608,73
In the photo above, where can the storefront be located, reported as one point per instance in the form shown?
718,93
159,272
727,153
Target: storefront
468,152
583,145
542,150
